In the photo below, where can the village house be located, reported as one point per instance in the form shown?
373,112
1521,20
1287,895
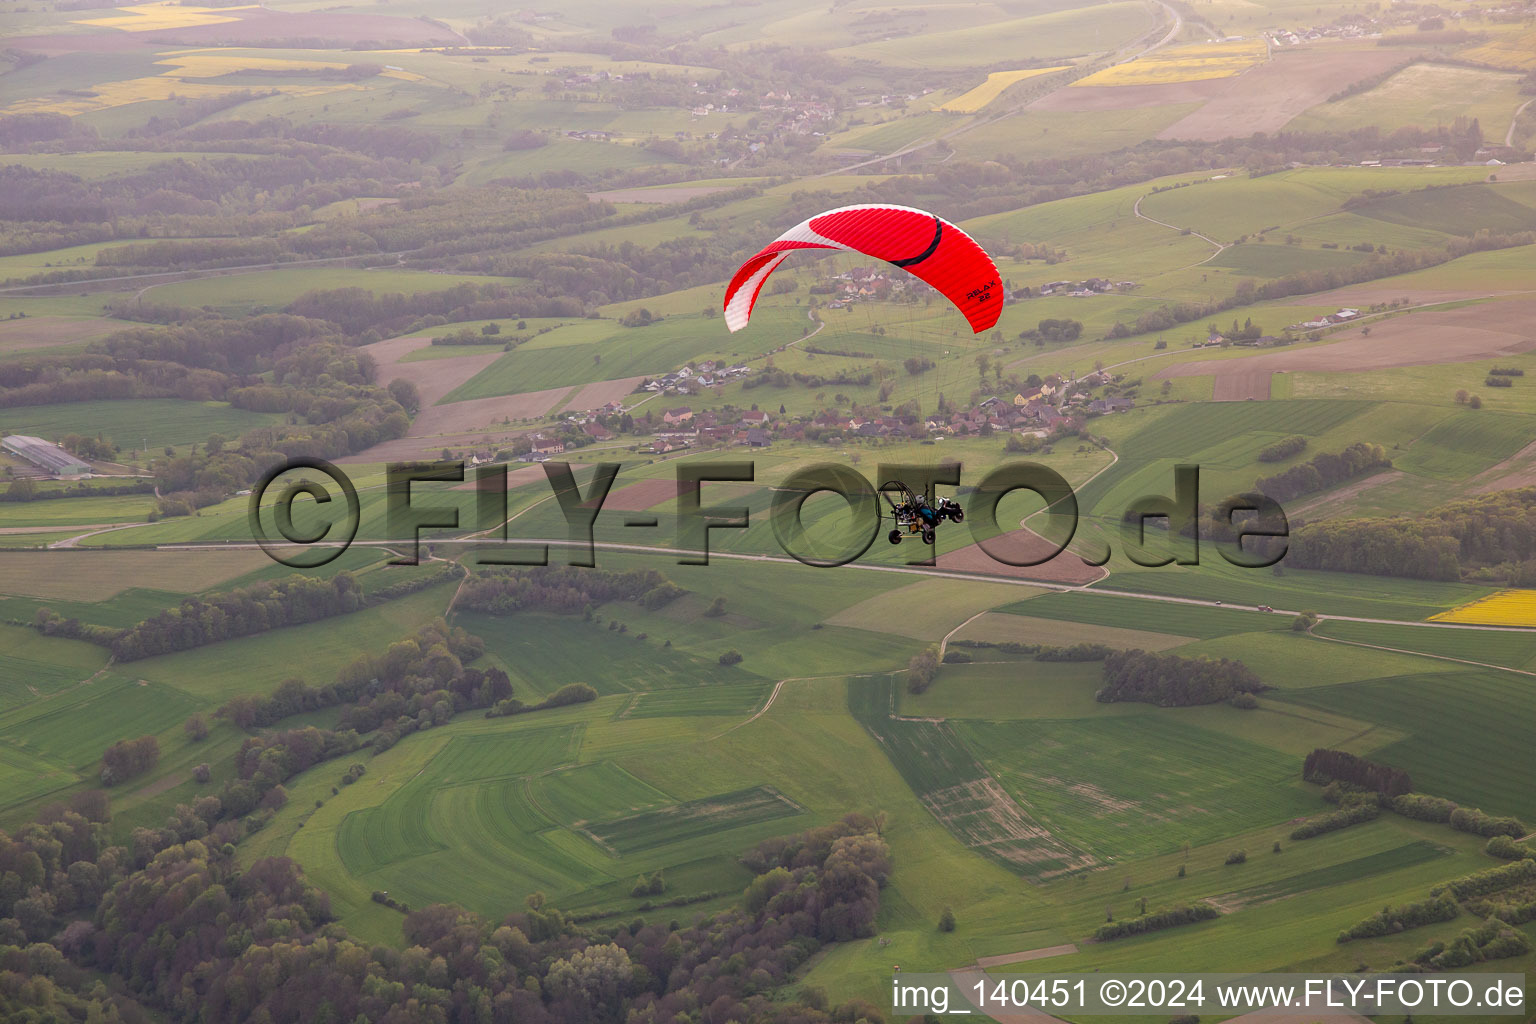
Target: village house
1108,405
682,414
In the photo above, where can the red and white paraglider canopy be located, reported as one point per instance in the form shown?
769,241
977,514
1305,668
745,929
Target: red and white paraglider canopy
926,246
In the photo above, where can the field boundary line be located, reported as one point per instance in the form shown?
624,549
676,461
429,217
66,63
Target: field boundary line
1422,654
772,696
1017,581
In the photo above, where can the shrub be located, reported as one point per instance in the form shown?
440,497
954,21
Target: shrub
1481,883
1505,848
1237,857
1353,814
921,670
947,920
1283,449
1423,808
1481,824
730,658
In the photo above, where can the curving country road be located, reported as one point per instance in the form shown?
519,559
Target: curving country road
1220,246
1509,136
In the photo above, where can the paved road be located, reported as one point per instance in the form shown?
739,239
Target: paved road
562,542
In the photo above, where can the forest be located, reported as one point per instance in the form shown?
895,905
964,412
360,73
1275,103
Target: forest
1171,680
1490,536
189,932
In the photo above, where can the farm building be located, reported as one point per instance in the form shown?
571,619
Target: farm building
45,455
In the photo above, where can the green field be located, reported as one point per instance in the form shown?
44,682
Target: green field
36,664
134,424
766,697
1455,211
1454,721
607,351
1423,95
541,650
1186,784
1095,28
724,701
268,290
680,823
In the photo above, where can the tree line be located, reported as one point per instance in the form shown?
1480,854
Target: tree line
418,682
563,589
1324,470
1172,917
245,611
1306,282
1391,920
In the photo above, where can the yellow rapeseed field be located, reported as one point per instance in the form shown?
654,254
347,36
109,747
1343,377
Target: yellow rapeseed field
160,17
991,89
1506,608
185,79
1508,50
139,90
1183,64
